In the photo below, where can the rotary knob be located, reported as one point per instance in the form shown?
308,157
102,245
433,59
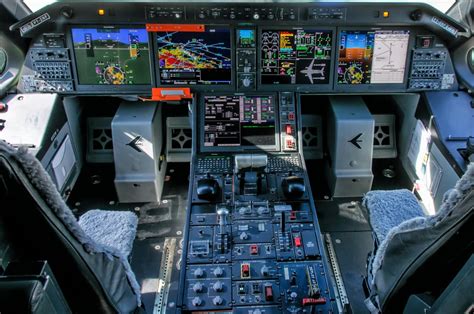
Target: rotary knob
196,301
217,300
218,286
246,82
256,16
198,273
245,210
244,236
218,272
197,287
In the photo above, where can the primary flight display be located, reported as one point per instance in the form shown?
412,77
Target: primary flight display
111,55
299,56
372,57
195,58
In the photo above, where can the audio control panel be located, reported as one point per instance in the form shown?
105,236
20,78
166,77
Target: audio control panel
431,67
48,66
253,243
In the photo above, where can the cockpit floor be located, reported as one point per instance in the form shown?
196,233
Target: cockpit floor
347,223
157,223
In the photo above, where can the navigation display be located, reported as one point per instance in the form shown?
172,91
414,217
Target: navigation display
195,58
372,57
300,56
233,121
112,55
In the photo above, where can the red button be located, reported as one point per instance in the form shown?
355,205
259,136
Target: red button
254,249
292,215
297,241
288,129
289,143
245,271
291,116
268,293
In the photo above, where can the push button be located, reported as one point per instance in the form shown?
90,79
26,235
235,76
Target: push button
268,293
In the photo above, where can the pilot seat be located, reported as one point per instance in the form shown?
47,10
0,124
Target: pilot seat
415,254
89,257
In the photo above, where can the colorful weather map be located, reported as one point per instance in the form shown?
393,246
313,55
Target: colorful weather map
195,57
112,56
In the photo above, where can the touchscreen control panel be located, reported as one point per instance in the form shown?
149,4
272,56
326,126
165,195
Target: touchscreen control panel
240,121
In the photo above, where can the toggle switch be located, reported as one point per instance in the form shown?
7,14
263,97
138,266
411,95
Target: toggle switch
297,241
268,293
245,270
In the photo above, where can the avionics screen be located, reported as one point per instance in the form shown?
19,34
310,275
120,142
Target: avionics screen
232,121
300,56
372,57
112,55
195,58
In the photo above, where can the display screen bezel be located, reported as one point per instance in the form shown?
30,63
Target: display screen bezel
201,87
374,87
296,87
201,124
115,89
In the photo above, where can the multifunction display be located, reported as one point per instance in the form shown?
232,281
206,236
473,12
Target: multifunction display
299,56
372,57
112,55
239,121
195,57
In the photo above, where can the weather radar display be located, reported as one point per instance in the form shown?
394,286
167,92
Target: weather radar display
371,57
195,58
112,56
298,56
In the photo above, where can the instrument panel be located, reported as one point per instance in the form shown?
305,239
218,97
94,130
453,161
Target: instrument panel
226,48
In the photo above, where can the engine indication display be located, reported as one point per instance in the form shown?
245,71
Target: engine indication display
372,57
299,56
112,55
195,58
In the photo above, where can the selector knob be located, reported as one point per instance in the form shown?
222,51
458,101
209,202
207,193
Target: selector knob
218,286
256,16
244,236
217,300
257,311
246,82
196,301
218,272
198,273
197,287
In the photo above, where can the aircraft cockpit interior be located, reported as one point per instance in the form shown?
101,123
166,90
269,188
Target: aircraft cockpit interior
248,157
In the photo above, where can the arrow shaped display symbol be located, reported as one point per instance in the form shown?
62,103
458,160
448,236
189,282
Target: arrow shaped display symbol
135,142
355,141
